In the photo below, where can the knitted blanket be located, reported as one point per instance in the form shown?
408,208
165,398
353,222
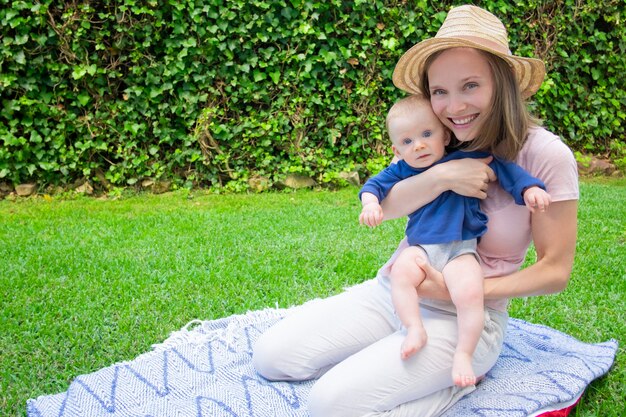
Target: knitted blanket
205,369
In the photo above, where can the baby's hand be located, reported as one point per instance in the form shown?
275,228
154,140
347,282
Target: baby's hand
371,215
536,198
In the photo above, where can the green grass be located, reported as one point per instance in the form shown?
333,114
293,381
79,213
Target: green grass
86,283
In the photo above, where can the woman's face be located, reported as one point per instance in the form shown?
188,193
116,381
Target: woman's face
461,90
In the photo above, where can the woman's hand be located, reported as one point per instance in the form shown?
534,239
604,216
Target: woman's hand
433,286
468,176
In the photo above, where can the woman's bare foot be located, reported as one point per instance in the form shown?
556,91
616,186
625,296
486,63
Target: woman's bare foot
415,339
462,372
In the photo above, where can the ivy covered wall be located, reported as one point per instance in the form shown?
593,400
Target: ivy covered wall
214,92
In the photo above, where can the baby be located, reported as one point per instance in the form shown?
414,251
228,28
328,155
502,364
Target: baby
444,232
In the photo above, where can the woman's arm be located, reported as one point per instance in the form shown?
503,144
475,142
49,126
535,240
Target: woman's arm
554,235
468,177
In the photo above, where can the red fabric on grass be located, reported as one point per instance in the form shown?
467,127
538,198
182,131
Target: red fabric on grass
563,412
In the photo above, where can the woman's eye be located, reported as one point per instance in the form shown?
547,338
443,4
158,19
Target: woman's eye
437,92
471,85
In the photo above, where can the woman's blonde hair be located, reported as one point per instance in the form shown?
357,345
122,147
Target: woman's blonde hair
506,126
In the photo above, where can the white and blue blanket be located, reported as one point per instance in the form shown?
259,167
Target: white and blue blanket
205,369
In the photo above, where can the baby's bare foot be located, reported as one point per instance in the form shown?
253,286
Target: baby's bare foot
415,340
462,372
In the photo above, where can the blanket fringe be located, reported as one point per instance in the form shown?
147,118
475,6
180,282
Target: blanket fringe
199,332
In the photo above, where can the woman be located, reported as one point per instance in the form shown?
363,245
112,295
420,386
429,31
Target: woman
350,341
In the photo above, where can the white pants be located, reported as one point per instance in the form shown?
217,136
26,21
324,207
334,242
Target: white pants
351,342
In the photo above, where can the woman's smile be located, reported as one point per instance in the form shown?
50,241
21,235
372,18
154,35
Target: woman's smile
464,120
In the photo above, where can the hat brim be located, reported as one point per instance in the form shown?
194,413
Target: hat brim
409,70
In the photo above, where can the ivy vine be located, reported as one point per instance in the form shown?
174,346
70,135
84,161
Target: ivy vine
213,92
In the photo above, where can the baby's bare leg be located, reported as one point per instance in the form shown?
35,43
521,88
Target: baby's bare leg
464,279
405,277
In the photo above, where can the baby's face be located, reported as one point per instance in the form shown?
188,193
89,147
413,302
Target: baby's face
419,139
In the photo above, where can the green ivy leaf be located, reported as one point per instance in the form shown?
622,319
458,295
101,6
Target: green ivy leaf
275,76
259,75
83,98
596,74
20,57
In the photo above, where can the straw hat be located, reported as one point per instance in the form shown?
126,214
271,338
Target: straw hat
468,26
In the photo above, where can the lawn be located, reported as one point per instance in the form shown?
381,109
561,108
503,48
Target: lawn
88,282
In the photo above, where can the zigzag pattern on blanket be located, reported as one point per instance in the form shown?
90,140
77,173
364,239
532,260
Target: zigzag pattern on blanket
207,371
539,369
203,372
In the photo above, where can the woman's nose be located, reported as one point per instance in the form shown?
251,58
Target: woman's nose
455,104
